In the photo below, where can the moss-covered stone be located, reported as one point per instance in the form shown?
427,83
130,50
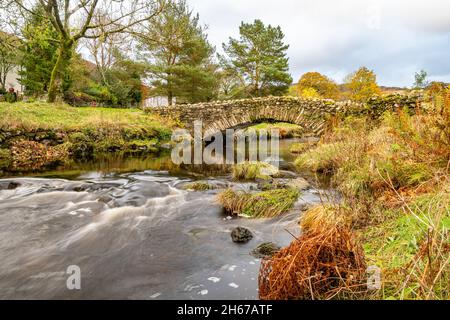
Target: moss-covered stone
253,171
198,186
265,249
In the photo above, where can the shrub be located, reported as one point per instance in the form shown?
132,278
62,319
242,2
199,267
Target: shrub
81,145
31,155
5,158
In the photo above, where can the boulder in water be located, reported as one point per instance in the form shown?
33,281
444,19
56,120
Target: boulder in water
265,250
299,183
241,235
9,185
286,174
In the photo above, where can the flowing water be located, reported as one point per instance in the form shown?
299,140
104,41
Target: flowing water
133,232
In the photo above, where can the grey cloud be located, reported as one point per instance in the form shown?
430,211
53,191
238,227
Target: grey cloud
395,38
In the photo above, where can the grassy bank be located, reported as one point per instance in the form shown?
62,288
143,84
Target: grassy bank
393,175
31,116
286,130
37,135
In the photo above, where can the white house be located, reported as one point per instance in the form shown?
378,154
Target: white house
12,82
158,101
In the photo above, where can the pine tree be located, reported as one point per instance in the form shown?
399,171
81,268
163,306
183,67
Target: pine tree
179,56
259,57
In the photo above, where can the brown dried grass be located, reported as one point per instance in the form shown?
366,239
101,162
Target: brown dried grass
324,263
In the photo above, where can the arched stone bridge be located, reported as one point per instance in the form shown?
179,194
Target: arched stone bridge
310,114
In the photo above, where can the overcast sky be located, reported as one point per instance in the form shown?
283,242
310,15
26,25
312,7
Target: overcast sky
394,38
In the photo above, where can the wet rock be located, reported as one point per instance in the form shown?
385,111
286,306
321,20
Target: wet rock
105,198
272,184
241,235
286,174
264,250
81,188
13,185
94,186
305,206
282,183
199,186
299,183
9,185
166,146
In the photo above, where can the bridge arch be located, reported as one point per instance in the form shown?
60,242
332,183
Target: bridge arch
310,114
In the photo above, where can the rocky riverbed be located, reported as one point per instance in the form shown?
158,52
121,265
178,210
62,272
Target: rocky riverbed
134,235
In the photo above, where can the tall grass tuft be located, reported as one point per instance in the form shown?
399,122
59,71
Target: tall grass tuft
263,204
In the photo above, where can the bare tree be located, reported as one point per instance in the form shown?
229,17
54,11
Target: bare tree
103,50
8,55
78,19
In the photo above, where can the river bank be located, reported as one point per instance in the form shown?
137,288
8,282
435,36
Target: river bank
393,176
387,196
38,136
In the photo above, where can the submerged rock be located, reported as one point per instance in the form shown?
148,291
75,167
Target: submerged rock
166,146
9,185
299,183
264,250
286,174
280,183
241,235
94,186
305,206
198,186
272,184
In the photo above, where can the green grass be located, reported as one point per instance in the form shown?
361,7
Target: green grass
411,248
42,115
82,132
321,159
299,147
265,125
286,130
263,204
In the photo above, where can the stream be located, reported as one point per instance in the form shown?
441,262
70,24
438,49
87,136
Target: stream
133,231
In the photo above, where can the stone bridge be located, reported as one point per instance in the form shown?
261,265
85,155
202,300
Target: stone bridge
310,114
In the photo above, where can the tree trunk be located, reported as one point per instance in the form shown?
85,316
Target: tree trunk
3,80
59,70
170,97
257,81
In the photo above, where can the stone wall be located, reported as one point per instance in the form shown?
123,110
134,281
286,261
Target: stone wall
311,114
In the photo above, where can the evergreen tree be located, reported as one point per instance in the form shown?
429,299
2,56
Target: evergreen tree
179,56
38,53
259,57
